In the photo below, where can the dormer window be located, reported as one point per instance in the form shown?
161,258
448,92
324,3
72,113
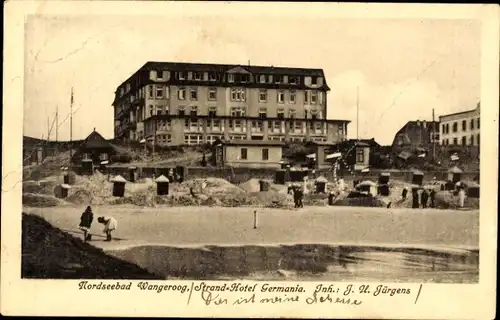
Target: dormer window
212,76
314,80
197,76
182,75
241,78
293,80
262,78
159,74
279,79
230,78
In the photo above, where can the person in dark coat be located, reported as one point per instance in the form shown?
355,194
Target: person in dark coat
432,195
295,196
300,196
86,222
424,197
414,195
404,194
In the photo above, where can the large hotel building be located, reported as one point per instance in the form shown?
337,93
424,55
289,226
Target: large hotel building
187,103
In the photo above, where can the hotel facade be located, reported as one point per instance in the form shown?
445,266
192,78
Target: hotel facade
461,128
185,104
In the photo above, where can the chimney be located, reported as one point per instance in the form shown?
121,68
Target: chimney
94,128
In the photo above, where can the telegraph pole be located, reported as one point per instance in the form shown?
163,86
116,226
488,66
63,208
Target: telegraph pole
48,128
71,126
57,123
433,138
357,113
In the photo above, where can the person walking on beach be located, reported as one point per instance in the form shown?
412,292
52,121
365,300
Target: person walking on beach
433,198
110,224
424,197
300,196
414,194
404,194
86,222
295,196
461,196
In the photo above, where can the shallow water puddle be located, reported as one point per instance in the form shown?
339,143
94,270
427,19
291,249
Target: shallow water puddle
307,262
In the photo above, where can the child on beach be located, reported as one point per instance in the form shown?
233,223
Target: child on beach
110,224
85,223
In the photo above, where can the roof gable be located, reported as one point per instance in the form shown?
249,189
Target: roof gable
238,69
95,140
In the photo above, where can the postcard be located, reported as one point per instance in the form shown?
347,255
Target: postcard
250,159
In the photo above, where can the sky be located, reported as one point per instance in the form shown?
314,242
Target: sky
403,69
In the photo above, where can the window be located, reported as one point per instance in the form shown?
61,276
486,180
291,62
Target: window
281,96
159,109
150,90
181,111
216,124
314,114
212,94
238,112
464,140
455,141
212,76
276,126
278,79
464,125
242,78
159,74
86,156
230,77
263,113
265,154
150,110
243,153
103,156
293,80
194,111
455,127
181,94
257,126
472,140
478,140
477,123
293,96
306,96
281,114
262,95
447,128
314,97
314,81
193,93
291,114
360,155
159,92
472,124
262,78
197,76
182,75
212,112
443,128
237,94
